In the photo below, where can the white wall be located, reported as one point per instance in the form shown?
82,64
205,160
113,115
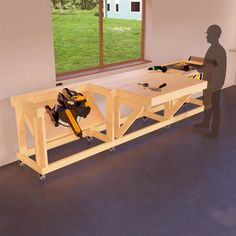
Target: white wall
175,29
26,61
179,29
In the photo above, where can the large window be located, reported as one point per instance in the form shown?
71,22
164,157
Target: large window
94,34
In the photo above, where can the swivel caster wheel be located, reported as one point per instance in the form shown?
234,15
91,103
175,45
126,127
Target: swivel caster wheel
89,138
42,177
21,163
112,149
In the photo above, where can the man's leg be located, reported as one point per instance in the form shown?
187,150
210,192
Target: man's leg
215,125
207,97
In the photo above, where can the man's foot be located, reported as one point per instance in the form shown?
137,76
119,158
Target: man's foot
211,135
201,125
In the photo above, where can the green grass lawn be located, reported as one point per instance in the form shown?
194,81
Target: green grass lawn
76,40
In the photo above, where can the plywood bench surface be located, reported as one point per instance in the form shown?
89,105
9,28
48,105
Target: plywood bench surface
127,85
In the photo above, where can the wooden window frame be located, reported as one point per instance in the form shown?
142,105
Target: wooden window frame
112,66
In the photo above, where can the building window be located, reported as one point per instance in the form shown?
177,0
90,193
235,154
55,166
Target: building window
108,7
135,6
117,7
86,38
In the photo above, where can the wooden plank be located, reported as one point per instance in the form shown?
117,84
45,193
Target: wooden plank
195,101
156,109
130,103
132,96
33,98
98,89
110,117
29,162
27,107
99,136
194,62
179,103
67,139
77,157
21,132
59,142
131,119
154,116
117,117
168,110
40,142
29,122
52,93
179,92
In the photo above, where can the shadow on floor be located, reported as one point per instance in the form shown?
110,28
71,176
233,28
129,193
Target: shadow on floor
170,182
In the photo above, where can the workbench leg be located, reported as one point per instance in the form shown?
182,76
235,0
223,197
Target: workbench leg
110,117
21,132
40,142
117,119
168,114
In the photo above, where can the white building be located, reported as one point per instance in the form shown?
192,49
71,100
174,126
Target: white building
123,9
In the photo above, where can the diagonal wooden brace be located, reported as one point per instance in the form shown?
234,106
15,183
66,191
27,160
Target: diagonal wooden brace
170,108
130,120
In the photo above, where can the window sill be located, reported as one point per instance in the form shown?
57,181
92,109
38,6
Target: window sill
100,70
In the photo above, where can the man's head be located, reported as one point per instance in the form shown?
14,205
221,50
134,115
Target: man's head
213,34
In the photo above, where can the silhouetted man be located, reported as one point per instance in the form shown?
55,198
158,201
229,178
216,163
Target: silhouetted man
214,69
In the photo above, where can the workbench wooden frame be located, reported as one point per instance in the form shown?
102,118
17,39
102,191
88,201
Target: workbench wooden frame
24,110
169,110
31,113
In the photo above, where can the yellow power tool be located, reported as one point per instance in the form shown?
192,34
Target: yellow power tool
70,108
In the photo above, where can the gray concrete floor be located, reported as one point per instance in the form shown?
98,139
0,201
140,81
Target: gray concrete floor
172,182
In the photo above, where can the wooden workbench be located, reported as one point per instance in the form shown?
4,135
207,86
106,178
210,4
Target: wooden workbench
163,106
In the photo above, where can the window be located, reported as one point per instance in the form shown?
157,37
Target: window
117,7
108,7
88,38
135,6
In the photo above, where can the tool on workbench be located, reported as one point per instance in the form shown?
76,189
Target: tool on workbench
72,106
146,85
162,68
194,75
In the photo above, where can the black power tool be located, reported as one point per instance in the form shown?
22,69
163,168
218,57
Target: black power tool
162,68
72,106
